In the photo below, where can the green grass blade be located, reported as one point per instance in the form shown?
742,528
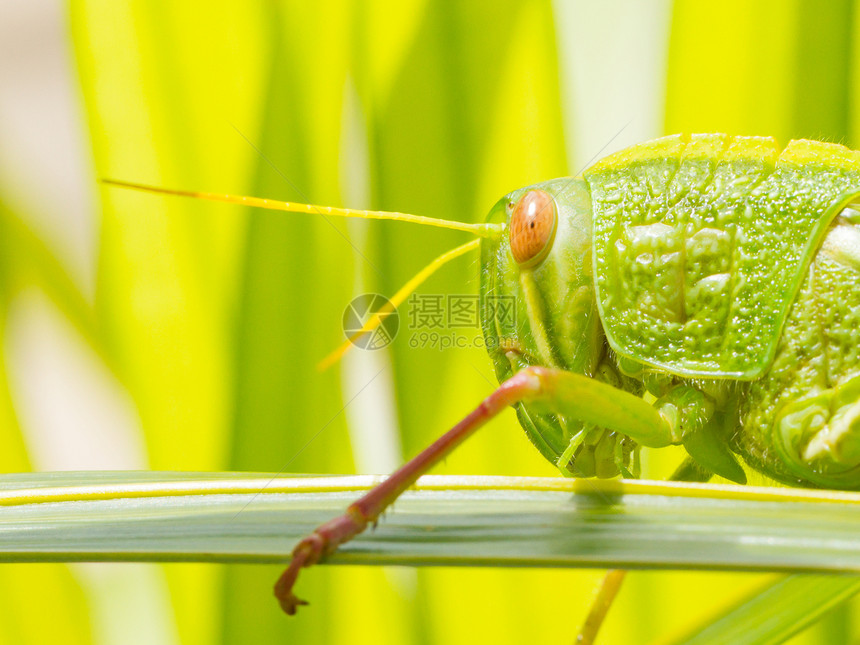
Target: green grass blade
295,283
779,612
445,520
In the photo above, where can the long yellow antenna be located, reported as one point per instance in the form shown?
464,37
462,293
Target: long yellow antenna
396,300
482,230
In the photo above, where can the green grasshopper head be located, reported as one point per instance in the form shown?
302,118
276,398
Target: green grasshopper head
538,303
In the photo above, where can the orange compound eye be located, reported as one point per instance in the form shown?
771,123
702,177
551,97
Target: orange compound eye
533,224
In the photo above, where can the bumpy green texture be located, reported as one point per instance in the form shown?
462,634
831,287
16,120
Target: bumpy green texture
814,377
701,244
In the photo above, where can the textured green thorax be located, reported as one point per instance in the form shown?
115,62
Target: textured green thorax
701,243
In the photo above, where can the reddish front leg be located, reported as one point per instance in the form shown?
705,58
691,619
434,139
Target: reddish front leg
573,395
325,540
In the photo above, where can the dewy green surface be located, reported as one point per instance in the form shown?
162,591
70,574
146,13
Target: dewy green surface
702,241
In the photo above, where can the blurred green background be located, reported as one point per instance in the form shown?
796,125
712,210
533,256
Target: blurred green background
146,332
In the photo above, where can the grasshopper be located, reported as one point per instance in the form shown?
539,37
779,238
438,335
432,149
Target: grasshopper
697,290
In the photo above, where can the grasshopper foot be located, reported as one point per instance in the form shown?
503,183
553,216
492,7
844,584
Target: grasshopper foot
322,542
290,602
306,553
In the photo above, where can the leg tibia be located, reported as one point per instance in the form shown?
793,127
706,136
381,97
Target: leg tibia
325,540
